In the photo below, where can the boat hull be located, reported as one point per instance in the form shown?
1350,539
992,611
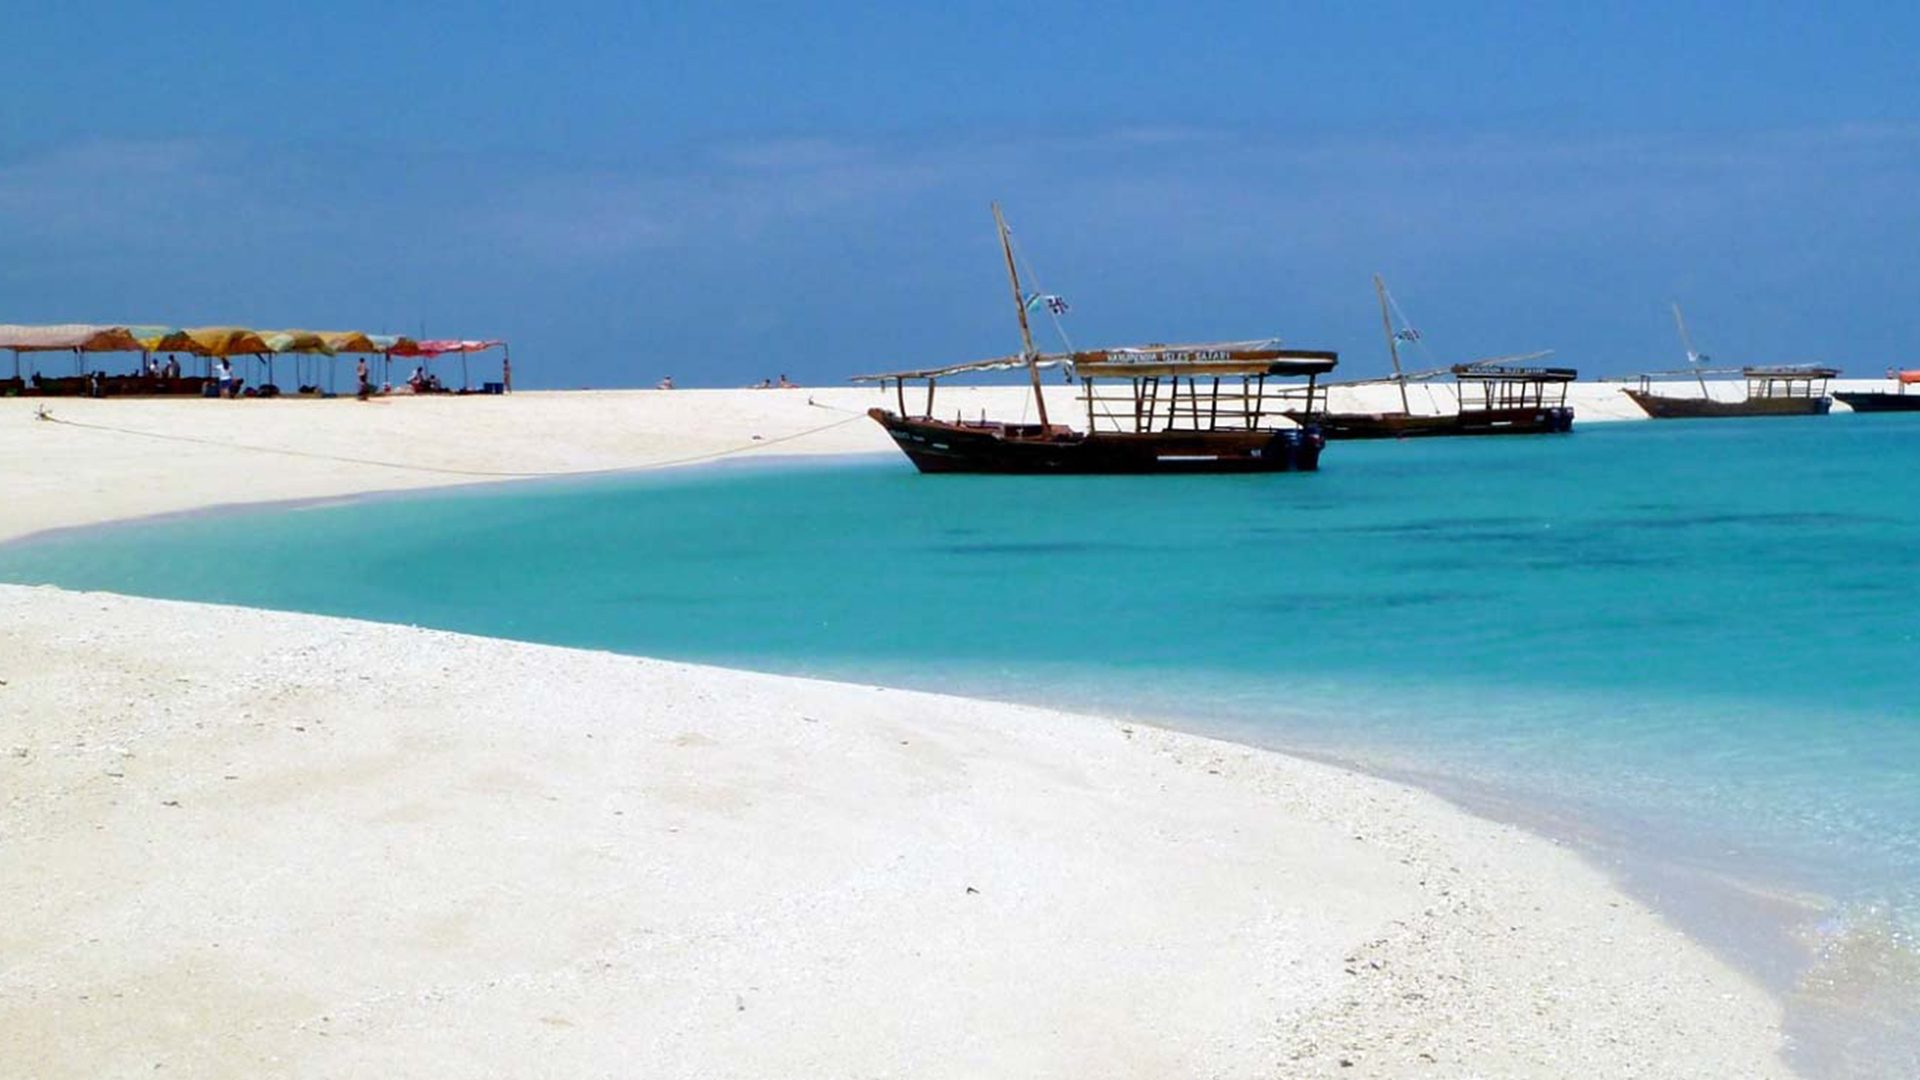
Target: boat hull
1661,407
1874,401
936,446
1549,420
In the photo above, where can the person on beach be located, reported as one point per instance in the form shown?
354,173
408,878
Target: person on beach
784,384
223,377
664,384
360,372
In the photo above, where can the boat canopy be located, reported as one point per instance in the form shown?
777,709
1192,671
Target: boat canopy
1488,371
1791,371
1251,359
77,337
1000,363
1677,373
1243,358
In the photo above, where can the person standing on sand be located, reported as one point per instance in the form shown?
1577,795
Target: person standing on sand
224,378
360,372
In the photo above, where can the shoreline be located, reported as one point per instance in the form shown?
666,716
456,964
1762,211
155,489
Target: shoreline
1327,1017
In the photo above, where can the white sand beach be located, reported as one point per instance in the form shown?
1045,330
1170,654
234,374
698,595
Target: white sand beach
245,843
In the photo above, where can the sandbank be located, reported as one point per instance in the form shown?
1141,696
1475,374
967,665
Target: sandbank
243,843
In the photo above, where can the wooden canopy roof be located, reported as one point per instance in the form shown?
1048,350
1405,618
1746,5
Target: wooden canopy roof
1233,358
1790,371
1484,372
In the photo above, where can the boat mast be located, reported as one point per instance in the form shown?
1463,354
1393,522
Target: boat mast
1020,307
1393,343
1686,342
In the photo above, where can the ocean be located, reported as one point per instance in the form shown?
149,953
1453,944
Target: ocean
1688,647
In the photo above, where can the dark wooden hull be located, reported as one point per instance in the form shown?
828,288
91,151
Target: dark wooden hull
1549,420
1661,407
936,446
1874,401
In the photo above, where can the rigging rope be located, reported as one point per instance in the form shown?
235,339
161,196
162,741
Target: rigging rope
44,415
1419,342
1033,276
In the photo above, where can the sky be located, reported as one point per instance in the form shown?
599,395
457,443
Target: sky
731,192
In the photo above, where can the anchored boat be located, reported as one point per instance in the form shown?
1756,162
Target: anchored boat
1494,397
1881,401
1776,390
1792,390
1149,409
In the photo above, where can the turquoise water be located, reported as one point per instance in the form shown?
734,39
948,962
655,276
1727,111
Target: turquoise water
1697,638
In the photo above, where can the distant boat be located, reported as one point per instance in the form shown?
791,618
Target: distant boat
1150,409
1494,397
1771,391
1777,390
1882,401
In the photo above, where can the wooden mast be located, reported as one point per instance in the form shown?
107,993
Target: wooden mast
1393,343
1020,307
1686,342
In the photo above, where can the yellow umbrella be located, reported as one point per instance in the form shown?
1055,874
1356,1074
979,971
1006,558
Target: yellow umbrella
349,341
226,341
295,341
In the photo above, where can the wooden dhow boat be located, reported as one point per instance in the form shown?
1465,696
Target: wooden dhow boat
1897,400
1502,396
1772,390
1149,409
1784,390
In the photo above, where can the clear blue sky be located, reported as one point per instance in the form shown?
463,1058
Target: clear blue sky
726,192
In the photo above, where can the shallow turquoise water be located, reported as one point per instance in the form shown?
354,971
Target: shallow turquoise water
1702,633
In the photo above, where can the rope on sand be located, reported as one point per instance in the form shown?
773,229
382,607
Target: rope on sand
44,415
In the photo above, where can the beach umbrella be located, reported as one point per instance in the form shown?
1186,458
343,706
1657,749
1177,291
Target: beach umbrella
175,340
212,341
389,345
434,348
428,349
80,338
348,341
473,347
298,342
227,341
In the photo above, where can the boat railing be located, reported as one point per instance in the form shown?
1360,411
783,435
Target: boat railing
1788,382
1204,403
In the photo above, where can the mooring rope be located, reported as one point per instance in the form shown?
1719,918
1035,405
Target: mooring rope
444,470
